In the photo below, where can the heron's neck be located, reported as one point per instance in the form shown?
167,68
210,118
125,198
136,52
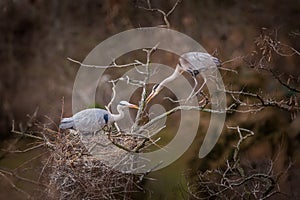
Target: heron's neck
120,115
175,74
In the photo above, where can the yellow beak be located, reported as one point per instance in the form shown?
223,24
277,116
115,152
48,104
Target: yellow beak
151,96
133,106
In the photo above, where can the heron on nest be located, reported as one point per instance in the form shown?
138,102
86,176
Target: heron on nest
94,119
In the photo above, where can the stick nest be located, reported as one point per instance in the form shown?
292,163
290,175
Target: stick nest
75,173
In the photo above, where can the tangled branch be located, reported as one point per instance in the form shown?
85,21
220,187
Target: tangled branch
164,14
235,180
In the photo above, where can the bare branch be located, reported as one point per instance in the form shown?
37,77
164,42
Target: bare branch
25,150
242,138
164,14
114,64
28,196
23,133
144,92
236,181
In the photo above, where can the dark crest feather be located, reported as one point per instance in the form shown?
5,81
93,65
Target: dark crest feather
105,117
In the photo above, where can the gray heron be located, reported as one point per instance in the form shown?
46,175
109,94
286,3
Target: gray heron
94,119
191,62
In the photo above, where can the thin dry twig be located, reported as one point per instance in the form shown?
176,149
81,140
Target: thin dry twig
142,102
113,65
236,181
28,196
164,14
23,133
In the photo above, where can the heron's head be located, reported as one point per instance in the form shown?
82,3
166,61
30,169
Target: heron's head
217,61
125,104
155,90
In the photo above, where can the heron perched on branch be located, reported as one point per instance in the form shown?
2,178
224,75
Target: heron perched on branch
191,62
94,119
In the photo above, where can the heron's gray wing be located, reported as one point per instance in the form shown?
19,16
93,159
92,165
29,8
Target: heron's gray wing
204,60
66,123
89,120
197,61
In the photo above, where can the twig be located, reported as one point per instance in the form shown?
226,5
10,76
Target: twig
196,108
85,65
28,196
163,13
144,92
114,64
113,95
44,167
283,83
23,133
25,150
242,138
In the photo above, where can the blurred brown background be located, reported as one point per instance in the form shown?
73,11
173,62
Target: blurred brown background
36,37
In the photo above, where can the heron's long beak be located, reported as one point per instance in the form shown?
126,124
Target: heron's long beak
151,96
133,106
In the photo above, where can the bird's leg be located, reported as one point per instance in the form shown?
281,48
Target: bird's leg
194,88
199,90
192,94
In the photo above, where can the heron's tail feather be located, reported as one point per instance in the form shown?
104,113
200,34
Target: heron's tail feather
66,123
